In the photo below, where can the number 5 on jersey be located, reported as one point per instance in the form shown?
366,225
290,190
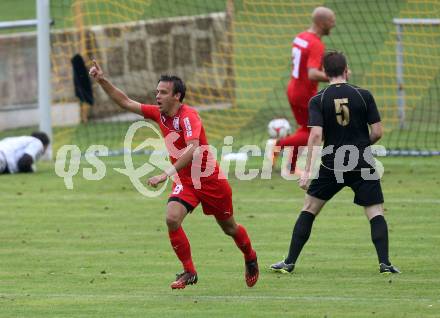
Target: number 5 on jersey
342,111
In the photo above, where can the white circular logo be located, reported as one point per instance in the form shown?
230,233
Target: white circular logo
135,174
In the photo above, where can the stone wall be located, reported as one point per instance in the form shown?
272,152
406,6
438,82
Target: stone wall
132,54
18,70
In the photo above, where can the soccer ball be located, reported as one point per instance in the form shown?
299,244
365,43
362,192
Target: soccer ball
278,128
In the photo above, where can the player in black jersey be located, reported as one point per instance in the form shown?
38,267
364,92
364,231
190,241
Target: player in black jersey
346,117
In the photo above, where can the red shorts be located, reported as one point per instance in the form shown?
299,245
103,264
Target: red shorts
215,196
299,103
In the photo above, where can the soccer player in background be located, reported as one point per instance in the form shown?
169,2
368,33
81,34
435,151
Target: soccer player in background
347,118
307,53
19,154
213,192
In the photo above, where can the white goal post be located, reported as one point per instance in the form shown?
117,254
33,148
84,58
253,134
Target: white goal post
400,23
44,84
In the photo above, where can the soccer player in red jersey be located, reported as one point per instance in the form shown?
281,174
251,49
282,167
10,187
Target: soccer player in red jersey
307,53
186,142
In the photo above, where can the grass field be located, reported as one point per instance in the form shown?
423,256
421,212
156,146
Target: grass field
101,250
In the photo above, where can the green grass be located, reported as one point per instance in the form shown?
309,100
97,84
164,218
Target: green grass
11,10
108,11
102,250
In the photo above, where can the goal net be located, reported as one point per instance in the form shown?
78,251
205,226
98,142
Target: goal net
235,57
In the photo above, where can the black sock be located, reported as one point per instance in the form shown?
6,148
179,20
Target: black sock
379,236
300,235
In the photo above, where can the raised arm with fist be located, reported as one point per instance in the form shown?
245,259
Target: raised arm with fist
118,96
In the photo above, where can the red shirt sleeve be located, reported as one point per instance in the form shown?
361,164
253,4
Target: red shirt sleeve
315,56
191,126
151,112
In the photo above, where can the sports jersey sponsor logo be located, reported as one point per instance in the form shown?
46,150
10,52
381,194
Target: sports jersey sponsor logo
187,127
176,123
301,43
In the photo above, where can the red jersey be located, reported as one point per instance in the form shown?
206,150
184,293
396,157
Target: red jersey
187,125
307,52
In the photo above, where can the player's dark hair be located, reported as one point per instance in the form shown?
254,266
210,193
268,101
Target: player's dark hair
334,63
42,136
24,164
178,84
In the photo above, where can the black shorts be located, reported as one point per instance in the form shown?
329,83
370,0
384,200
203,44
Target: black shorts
366,192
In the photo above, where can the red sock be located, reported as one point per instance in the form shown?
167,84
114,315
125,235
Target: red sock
296,140
244,243
181,247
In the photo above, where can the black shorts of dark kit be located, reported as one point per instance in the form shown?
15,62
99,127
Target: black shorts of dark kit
366,192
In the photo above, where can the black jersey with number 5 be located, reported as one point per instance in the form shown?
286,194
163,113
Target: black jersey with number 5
344,112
